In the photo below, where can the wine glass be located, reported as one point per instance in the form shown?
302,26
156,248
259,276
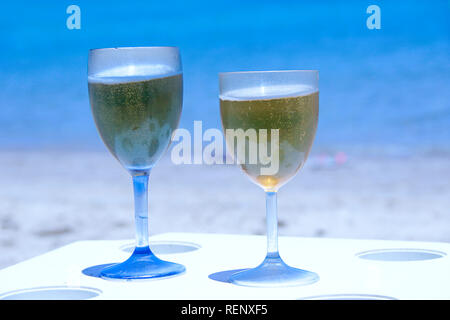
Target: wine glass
136,97
276,113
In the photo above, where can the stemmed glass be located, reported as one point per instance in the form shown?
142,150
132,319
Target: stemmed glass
276,113
136,98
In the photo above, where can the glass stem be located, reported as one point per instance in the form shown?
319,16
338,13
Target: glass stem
272,224
140,185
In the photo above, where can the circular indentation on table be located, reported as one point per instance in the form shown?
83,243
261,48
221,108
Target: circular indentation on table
167,247
52,293
349,296
400,254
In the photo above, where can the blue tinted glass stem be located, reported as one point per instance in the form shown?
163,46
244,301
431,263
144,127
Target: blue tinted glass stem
140,185
272,224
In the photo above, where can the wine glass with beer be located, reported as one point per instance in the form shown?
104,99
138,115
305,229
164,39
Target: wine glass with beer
136,98
270,120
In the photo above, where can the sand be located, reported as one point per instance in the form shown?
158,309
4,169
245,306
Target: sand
51,198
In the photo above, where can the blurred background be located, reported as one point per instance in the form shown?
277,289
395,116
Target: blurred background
379,167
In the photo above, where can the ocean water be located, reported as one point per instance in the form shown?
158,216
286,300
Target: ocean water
376,86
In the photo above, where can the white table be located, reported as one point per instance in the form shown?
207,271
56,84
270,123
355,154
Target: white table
406,270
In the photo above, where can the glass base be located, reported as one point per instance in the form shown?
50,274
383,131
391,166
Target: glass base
273,272
142,264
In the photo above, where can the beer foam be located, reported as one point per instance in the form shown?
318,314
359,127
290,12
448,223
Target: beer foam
132,73
268,92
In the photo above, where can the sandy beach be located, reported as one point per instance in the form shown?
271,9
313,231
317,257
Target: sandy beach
51,198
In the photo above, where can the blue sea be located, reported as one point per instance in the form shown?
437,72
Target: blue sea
388,85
